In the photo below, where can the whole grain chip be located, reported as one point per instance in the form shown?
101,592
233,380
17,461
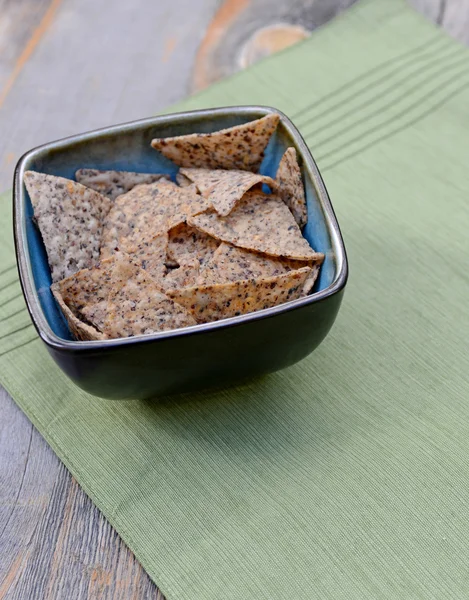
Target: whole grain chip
80,330
221,301
70,217
290,186
146,211
186,243
311,279
183,276
150,254
260,222
86,293
114,183
225,188
230,263
137,307
240,147
182,180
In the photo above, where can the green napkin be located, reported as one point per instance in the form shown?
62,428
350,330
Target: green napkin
347,475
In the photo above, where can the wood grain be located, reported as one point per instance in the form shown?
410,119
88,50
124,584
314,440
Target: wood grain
236,22
93,64
19,21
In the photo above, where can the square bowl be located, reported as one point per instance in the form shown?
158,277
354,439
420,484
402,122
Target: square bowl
182,360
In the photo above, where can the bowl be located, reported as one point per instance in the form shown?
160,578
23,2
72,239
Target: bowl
212,354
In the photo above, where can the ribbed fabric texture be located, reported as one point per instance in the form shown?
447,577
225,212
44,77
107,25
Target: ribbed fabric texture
347,475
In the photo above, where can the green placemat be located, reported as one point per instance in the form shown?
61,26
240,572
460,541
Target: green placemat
347,475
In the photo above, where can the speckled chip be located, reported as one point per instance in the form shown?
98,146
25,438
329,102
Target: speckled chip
186,243
240,147
290,186
260,222
230,263
80,330
311,279
221,301
149,253
70,218
183,276
86,293
182,180
114,183
225,188
137,307
148,210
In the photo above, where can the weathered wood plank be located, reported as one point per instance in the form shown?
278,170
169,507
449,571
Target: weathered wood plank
52,538
19,21
100,63
432,9
455,19
232,40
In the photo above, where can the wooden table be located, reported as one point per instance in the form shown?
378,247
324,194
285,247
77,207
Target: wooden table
72,65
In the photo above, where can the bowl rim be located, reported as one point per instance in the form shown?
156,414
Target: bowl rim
253,111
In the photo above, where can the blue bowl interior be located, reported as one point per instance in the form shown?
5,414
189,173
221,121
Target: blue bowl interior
128,148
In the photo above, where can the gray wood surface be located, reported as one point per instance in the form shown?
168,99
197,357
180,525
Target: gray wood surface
71,65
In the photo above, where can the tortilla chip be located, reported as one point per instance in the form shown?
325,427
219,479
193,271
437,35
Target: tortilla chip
260,222
137,307
86,293
240,147
225,188
230,263
311,279
221,301
114,183
186,243
184,276
146,211
290,186
182,180
80,330
150,255
70,217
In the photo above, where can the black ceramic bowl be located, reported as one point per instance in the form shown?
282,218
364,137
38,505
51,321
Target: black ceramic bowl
203,355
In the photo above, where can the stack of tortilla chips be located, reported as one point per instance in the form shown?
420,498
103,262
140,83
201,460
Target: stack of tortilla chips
135,253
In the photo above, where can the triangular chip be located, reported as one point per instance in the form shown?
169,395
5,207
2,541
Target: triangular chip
240,147
311,279
150,255
114,183
225,188
70,217
290,186
186,243
259,222
182,180
224,300
86,293
183,276
148,210
137,307
80,330
230,263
